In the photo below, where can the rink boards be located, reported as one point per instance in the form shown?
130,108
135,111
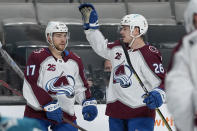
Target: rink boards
100,122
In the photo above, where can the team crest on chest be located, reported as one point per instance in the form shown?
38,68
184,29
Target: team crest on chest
122,75
58,85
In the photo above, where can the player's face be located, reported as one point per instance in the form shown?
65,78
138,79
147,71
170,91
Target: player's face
59,40
125,33
107,66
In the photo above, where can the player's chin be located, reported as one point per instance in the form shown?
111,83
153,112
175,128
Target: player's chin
61,48
125,41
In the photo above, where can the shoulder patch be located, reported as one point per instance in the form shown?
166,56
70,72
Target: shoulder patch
153,49
37,51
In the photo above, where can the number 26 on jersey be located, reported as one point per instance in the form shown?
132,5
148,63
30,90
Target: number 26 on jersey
158,68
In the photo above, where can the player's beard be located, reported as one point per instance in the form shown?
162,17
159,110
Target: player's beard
60,47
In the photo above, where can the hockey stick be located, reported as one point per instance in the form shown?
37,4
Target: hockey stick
11,62
4,84
142,84
74,125
15,67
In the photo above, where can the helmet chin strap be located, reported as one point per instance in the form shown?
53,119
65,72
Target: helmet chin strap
53,46
134,38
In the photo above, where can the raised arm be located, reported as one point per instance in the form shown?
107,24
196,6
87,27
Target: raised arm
93,35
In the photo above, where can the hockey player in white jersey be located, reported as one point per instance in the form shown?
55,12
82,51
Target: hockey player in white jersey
180,83
54,80
126,108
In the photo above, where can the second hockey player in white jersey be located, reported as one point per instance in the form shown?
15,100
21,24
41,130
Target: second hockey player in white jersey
126,108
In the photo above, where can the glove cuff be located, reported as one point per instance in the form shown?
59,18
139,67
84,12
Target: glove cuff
51,106
88,26
89,102
162,93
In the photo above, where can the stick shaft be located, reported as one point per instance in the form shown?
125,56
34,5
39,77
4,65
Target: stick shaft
4,84
11,62
163,118
74,125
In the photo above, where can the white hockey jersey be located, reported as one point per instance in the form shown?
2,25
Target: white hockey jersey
43,68
181,83
124,97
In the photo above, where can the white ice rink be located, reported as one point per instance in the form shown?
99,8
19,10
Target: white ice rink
99,124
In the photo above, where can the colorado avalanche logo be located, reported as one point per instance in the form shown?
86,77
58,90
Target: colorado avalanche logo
122,74
61,85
